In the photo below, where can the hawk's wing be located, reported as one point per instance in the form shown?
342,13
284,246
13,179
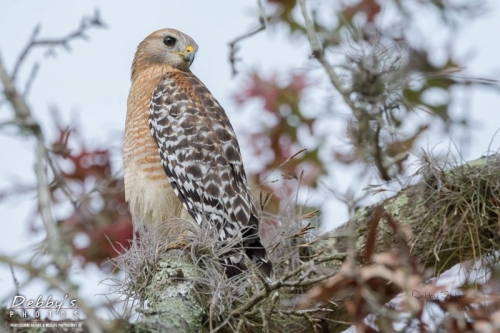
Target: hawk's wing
201,155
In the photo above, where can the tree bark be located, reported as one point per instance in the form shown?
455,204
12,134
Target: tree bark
173,303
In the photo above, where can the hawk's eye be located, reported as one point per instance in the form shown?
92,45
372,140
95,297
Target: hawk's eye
169,41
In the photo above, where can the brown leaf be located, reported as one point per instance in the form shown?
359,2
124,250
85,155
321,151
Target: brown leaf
370,7
372,233
338,284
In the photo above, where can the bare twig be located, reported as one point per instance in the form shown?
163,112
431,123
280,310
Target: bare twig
319,54
31,79
233,49
278,284
279,166
93,322
24,118
266,315
273,287
16,282
303,312
85,24
60,180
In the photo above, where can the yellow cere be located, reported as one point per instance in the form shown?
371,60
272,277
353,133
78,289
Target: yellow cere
189,49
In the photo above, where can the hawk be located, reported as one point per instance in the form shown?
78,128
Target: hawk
181,156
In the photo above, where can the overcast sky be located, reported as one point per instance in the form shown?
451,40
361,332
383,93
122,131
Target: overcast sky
91,83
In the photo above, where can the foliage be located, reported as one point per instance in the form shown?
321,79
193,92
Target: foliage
99,212
279,137
449,217
393,87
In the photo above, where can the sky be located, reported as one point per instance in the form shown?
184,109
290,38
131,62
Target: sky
91,84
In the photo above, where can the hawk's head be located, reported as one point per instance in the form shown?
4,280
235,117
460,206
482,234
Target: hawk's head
166,47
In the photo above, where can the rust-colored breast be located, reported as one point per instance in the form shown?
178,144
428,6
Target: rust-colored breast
147,189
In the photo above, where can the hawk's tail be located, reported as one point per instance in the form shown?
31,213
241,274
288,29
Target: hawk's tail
235,263
257,252
234,266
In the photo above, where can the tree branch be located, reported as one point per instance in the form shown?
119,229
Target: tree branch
86,24
319,53
233,44
56,249
95,324
24,119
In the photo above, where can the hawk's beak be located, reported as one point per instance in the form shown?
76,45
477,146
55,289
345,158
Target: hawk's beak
188,54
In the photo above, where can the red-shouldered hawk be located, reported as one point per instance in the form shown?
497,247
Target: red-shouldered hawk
181,156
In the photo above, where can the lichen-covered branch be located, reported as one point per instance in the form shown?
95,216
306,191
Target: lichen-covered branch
173,302
449,217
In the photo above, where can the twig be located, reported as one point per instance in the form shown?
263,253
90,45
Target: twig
16,283
21,109
8,123
31,79
85,24
24,117
302,283
269,288
241,322
303,312
31,44
278,284
266,315
232,45
93,322
318,53
61,181
279,166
